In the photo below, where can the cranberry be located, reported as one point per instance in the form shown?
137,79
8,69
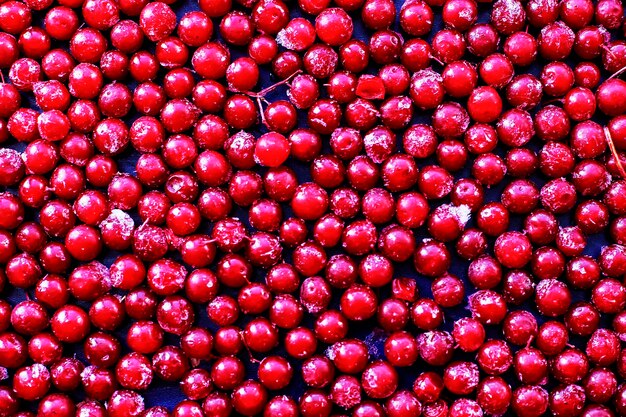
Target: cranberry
469,334
461,377
379,380
125,403
358,302
494,394
521,48
436,347
609,14
555,41
600,384
341,234
494,357
527,398
557,79
487,306
32,382
249,398
175,315
317,371
531,366
66,374
614,293
70,324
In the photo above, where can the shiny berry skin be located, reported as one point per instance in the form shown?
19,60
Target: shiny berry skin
337,246
469,334
513,250
249,398
358,303
401,349
379,380
530,400
494,395
32,382
70,324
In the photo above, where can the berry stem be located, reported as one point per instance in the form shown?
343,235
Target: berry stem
250,356
266,90
272,87
437,60
260,104
618,72
553,100
611,144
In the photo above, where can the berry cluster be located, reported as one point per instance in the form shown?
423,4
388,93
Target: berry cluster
268,221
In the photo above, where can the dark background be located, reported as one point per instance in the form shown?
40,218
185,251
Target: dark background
169,394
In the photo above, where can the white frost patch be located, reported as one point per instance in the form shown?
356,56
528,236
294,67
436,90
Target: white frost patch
103,273
463,213
283,38
120,221
372,340
331,352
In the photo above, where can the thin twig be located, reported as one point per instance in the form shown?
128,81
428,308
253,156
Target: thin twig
609,140
266,90
553,100
618,72
260,96
437,60
260,104
608,51
279,83
251,357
